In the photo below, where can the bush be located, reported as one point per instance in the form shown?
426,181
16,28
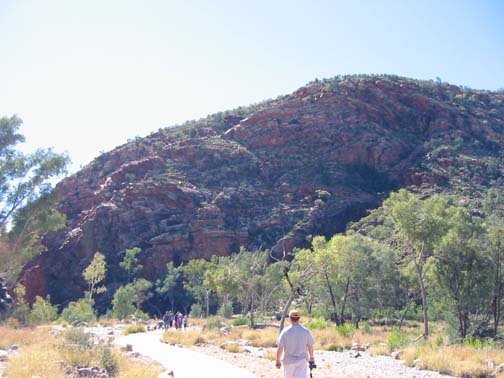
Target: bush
318,323
480,343
108,361
214,322
123,302
346,330
21,312
397,339
76,338
241,321
80,311
42,312
367,329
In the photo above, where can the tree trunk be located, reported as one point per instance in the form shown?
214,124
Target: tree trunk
333,300
342,316
207,300
285,309
423,293
403,316
252,325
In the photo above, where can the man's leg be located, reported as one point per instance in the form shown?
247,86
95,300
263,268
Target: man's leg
296,370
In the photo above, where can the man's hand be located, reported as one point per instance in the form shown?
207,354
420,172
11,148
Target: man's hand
278,364
311,363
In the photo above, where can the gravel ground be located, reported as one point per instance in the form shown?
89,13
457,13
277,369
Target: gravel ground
329,364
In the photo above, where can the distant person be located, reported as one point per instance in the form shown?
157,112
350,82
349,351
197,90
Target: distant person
186,321
170,319
293,343
166,320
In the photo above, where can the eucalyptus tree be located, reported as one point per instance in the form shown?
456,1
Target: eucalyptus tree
167,287
221,277
25,179
194,281
130,262
297,273
95,274
420,224
463,269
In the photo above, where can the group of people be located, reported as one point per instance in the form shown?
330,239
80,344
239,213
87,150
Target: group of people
174,320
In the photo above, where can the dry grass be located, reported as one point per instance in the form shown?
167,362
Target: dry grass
45,355
458,360
134,328
265,338
233,348
22,336
38,359
129,369
190,337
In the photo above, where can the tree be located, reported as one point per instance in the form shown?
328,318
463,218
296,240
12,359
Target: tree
420,225
297,273
221,278
168,287
194,278
130,262
129,298
496,256
123,302
250,269
94,274
23,178
28,224
26,205
462,269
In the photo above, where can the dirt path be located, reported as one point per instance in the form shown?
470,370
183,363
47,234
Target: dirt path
183,362
211,361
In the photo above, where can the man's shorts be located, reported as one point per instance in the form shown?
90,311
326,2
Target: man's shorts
296,370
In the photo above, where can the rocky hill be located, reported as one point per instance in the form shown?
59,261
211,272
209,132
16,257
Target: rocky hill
269,175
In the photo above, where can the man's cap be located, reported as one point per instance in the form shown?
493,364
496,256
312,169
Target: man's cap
294,314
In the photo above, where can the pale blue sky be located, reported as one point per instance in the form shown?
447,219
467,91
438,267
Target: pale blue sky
87,75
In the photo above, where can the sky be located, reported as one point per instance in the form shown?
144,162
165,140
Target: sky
86,76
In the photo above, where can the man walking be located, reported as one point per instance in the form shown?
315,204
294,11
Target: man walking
293,343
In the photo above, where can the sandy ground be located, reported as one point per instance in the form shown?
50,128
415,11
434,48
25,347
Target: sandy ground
183,362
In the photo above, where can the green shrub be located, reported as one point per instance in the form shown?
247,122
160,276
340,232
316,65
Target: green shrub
318,323
346,330
367,329
108,360
80,311
76,338
480,343
397,339
241,321
123,302
42,312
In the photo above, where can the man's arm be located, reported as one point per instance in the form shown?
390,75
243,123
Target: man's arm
310,353
279,357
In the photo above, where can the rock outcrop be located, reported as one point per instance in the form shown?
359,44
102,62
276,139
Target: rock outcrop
269,175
